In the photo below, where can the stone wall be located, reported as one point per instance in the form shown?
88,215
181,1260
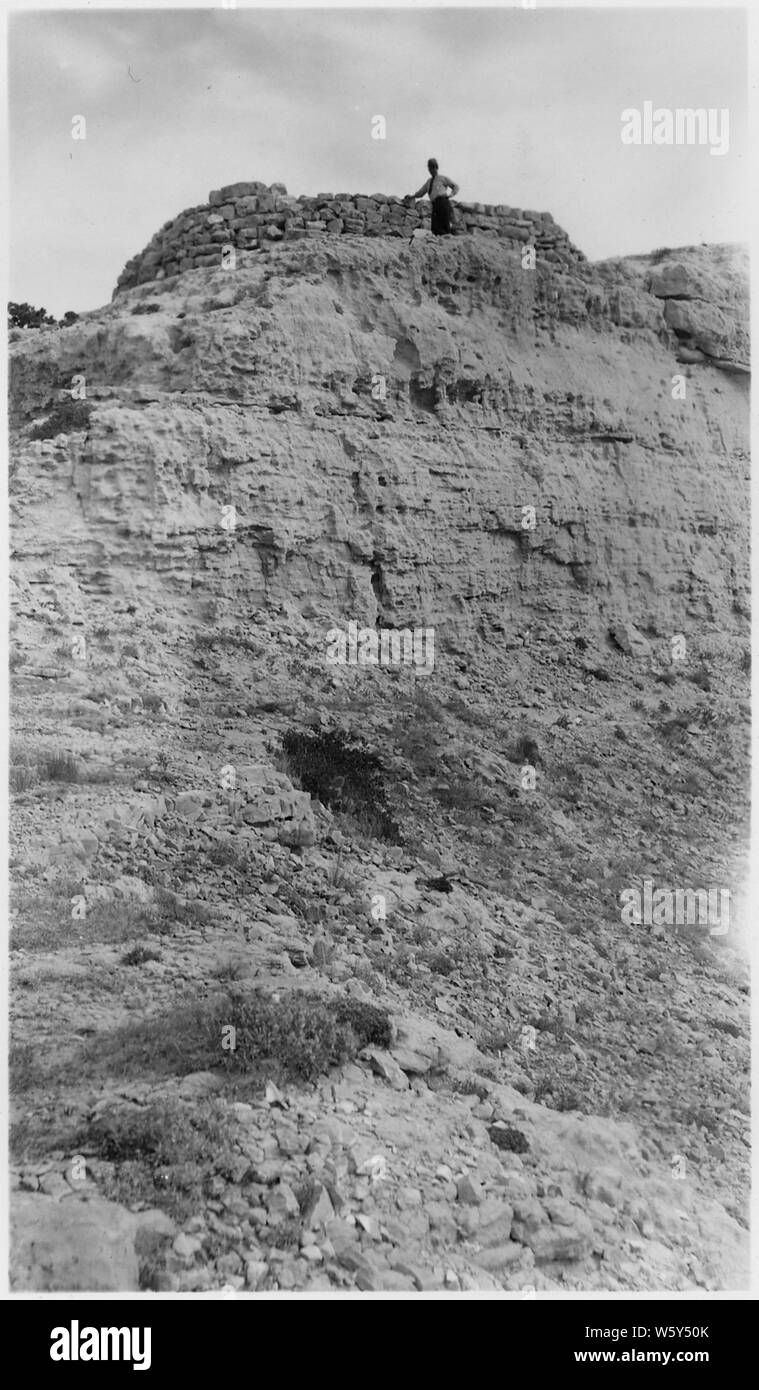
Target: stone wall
247,216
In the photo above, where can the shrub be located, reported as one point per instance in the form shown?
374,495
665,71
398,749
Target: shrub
224,854
166,1154
344,775
370,1023
508,1138
304,1035
139,955
700,677
673,730
66,417
524,750
228,970
26,316
23,772
60,767
22,778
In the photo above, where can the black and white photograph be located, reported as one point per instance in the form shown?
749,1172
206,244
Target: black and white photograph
379,661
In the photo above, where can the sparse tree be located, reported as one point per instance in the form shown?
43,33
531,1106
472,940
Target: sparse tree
26,316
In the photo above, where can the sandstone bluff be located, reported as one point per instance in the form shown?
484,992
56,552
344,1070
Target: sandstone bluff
485,1079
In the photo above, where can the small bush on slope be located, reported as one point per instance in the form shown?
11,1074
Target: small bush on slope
344,775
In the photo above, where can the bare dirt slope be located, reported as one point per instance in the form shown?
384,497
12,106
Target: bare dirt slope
321,977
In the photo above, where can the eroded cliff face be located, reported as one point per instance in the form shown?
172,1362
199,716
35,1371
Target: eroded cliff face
408,435
547,469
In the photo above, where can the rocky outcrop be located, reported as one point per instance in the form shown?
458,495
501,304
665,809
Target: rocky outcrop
423,436
343,430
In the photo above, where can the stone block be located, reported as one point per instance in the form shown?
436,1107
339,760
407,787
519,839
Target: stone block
232,191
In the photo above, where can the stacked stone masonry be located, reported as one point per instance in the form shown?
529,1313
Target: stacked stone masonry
249,216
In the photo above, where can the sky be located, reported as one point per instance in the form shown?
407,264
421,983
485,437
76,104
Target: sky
520,106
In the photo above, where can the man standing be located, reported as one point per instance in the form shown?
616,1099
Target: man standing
436,189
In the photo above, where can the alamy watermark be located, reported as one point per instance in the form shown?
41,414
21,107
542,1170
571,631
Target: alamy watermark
660,125
386,646
676,907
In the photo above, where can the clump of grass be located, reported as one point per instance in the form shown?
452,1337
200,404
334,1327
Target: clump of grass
171,908
165,1154
440,963
557,1096
60,767
305,1036
162,766
673,731
130,651
252,1037
344,775
41,918
370,1023
23,776
700,677
228,970
510,1139
414,733
524,750
495,1039
224,854
140,955
143,308
66,417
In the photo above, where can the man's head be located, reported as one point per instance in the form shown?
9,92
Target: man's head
432,165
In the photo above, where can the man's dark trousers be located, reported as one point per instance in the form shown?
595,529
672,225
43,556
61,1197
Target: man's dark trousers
441,217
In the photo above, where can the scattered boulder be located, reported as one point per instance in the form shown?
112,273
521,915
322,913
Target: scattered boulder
72,1245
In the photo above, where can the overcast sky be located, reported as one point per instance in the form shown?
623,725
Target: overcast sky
519,106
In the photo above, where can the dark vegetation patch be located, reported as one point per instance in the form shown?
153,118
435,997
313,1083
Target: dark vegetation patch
343,774
166,1154
508,1138
65,417
251,1037
139,955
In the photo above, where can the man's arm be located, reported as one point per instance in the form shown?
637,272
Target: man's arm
450,184
422,190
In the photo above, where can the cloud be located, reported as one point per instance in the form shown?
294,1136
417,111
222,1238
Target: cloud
519,107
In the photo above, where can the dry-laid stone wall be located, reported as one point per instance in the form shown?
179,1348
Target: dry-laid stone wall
246,216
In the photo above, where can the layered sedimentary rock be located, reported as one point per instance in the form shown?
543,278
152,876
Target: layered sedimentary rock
539,466
424,435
